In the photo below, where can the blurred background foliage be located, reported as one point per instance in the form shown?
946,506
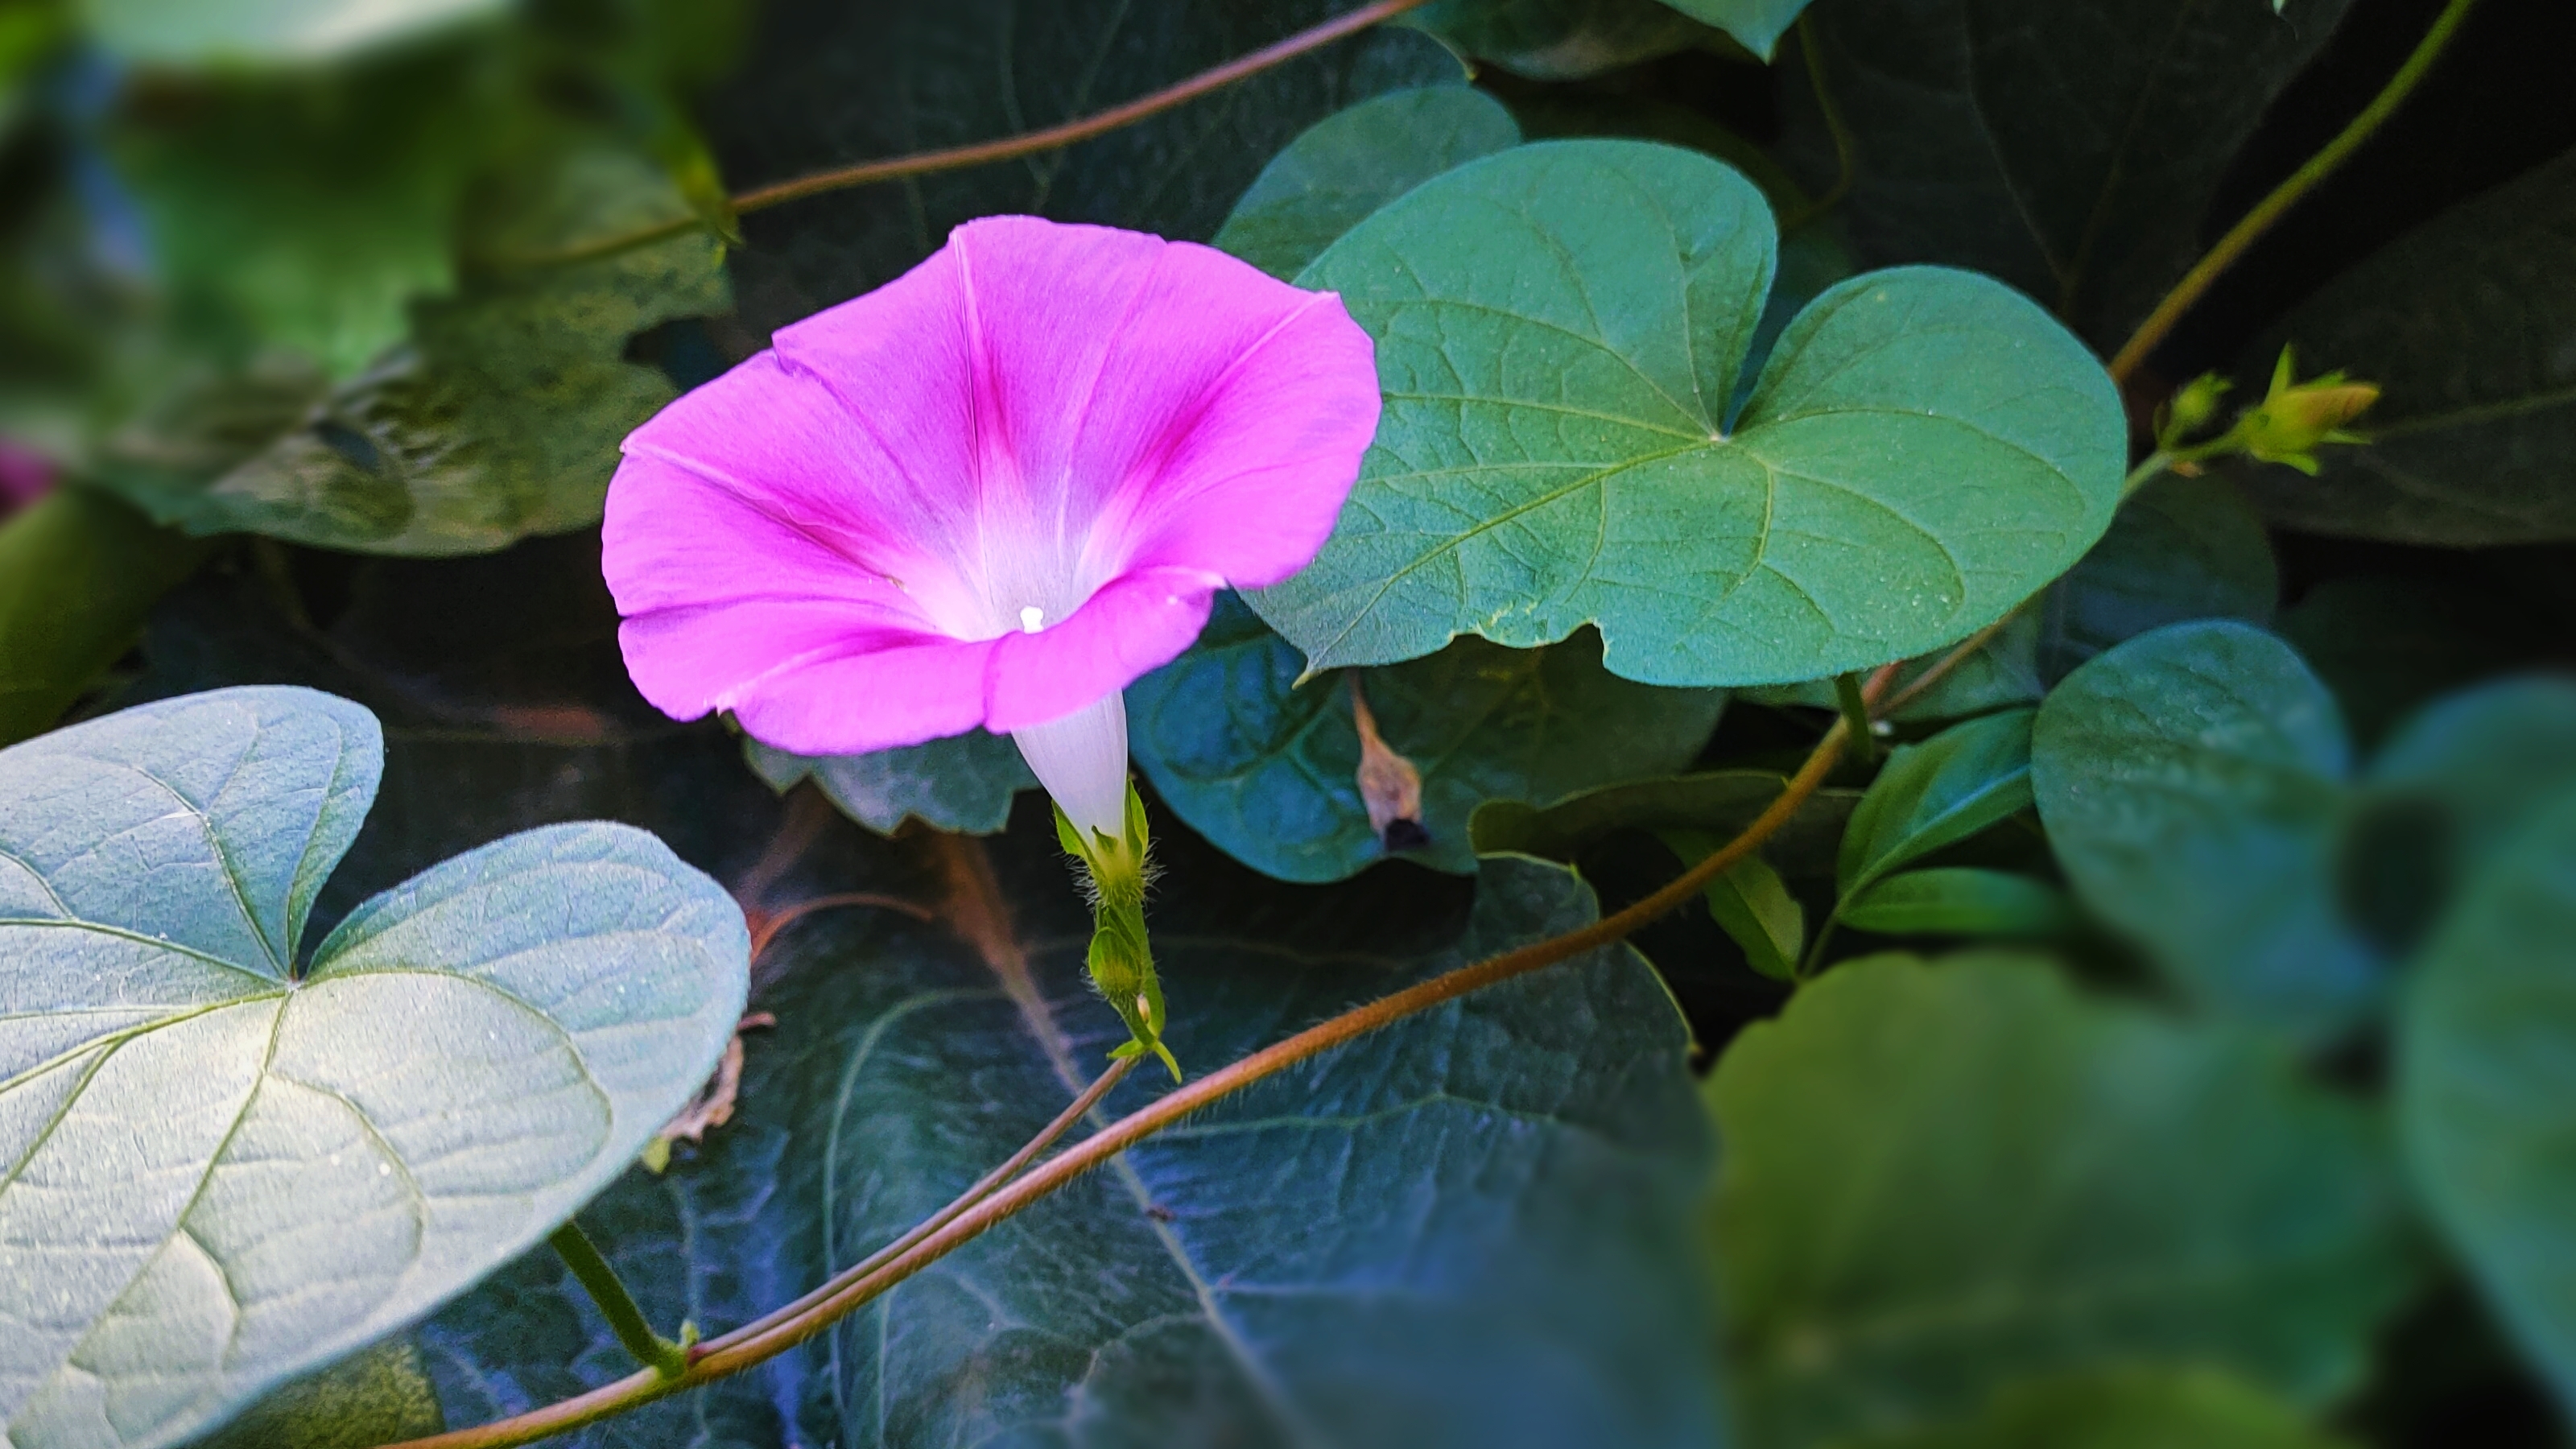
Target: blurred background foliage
2241,1120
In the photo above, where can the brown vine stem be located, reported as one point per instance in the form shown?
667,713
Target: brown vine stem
1006,148
779,1331
2151,332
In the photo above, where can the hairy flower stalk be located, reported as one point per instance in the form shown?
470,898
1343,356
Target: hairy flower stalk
991,494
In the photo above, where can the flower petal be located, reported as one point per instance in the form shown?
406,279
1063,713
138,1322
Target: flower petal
1136,625
873,699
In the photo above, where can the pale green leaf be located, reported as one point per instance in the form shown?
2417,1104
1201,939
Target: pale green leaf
225,1166
1560,328
1749,902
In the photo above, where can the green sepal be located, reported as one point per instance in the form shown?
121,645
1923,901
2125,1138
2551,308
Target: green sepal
1121,959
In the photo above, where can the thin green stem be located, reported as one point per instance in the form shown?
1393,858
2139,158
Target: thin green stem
2145,473
1855,708
1815,957
660,1356
782,1330
2151,332
1006,148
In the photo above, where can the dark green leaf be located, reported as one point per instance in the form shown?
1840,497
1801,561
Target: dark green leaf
1963,780
500,419
377,1395
1559,330
2388,645
1558,39
2193,782
1958,901
2486,1066
1557,113
2468,325
964,782
465,1060
1719,803
2182,548
1749,902
2125,1409
1494,1198
1267,769
1941,1180
220,32
2070,149
1353,162
828,84
2490,756
78,572
1757,25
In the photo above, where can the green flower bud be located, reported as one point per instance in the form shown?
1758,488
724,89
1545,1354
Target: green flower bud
2190,409
2296,418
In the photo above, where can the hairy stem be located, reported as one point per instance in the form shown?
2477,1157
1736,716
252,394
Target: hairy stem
2133,353
971,1215
1006,148
661,1358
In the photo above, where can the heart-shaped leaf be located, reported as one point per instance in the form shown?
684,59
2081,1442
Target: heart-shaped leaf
1942,1179
964,782
1560,329
220,1169
2486,1067
1352,162
1493,1200
1265,767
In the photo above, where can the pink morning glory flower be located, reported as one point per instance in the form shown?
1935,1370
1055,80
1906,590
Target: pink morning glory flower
992,492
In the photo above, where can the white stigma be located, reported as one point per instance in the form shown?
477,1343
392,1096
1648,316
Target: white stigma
1032,619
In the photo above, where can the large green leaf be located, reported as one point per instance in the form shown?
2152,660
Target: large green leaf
1957,900
1943,1179
2191,1408
1267,768
1492,1201
828,84
1558,39
1559,331
1353,162
500,417
2468,324
2486,1066
2193,782
2070,147
78,572
306,214
225,1167
200,32
1936,794
965,782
